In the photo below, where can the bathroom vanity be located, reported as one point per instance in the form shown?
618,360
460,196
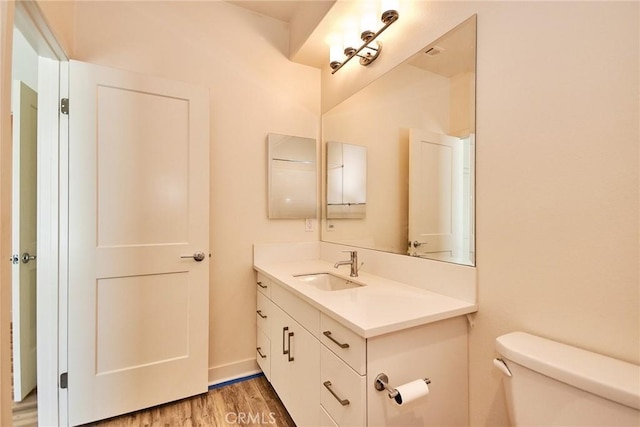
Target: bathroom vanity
322,341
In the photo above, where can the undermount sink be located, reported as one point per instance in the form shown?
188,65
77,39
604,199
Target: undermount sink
327,281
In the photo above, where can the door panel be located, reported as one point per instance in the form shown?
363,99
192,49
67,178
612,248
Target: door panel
150,176
25,124
433,193
145,335
138,208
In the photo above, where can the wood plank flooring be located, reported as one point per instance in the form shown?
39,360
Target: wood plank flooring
25,413
252,402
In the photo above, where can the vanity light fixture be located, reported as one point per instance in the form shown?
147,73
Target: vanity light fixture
370,49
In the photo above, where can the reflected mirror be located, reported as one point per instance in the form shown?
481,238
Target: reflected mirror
417,123
292,177
346,180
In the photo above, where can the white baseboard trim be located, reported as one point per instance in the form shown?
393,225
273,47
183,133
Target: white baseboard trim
233,371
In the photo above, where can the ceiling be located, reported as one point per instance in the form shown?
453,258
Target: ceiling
282,10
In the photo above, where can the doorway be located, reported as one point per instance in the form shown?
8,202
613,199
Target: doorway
24,231
49,70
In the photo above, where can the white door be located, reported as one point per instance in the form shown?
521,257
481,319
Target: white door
25,126
434,181
138,212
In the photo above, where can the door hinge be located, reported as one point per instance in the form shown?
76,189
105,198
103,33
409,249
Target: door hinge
64,106
64,378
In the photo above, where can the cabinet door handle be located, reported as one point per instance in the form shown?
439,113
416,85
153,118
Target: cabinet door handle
328,335
343,402
260,352
261,285
260,314
289,335
284,331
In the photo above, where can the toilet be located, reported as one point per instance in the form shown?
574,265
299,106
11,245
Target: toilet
548,384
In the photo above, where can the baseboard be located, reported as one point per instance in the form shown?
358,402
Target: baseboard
233,371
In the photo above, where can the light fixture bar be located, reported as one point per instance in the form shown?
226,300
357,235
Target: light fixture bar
388,18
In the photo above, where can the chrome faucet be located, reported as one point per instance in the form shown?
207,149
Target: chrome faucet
353,262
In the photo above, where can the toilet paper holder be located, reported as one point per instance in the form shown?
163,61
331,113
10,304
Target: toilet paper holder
382,383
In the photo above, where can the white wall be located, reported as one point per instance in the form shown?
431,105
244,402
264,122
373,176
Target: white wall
254,90
557,172
24,65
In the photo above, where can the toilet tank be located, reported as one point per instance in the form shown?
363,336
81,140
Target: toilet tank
548,383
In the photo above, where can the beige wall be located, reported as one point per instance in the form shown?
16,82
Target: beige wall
557,172
557,200
557,159
254,90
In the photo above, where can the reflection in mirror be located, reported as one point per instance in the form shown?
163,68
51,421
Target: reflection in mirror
292,177
346,180
420,140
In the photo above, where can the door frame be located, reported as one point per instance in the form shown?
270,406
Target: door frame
52,225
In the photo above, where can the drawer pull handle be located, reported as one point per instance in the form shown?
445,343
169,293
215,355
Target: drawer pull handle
260,352
284,331
328,335
289,357
343,402
260,314
261,285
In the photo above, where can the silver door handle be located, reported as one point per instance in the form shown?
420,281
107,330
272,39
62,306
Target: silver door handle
26,257
198,256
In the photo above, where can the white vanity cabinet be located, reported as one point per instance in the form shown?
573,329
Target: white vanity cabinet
264,313
293,357
324,372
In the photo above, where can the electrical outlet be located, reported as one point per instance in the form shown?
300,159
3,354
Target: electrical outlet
308,224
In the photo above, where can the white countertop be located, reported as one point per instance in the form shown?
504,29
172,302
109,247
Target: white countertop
380,307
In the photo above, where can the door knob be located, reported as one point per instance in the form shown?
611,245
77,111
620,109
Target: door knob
26,257
198,256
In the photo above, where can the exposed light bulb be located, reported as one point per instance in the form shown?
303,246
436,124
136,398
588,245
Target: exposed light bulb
390,5
389,10
351,41
336,54
368,25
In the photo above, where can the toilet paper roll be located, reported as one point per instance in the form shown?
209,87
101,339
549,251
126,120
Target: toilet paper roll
411,391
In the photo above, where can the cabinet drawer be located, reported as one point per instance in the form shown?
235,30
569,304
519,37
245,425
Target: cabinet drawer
304,313
345,343
325,419
343,392
263,285
263,313
263,353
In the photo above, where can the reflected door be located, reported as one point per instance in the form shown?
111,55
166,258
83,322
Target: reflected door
138,211
25,126
435,180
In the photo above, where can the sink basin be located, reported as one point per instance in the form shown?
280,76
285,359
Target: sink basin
327,281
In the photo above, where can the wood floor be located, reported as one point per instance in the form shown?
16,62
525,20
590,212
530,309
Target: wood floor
25,413
246,403
252,402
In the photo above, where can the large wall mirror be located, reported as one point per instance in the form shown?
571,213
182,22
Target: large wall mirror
417,123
